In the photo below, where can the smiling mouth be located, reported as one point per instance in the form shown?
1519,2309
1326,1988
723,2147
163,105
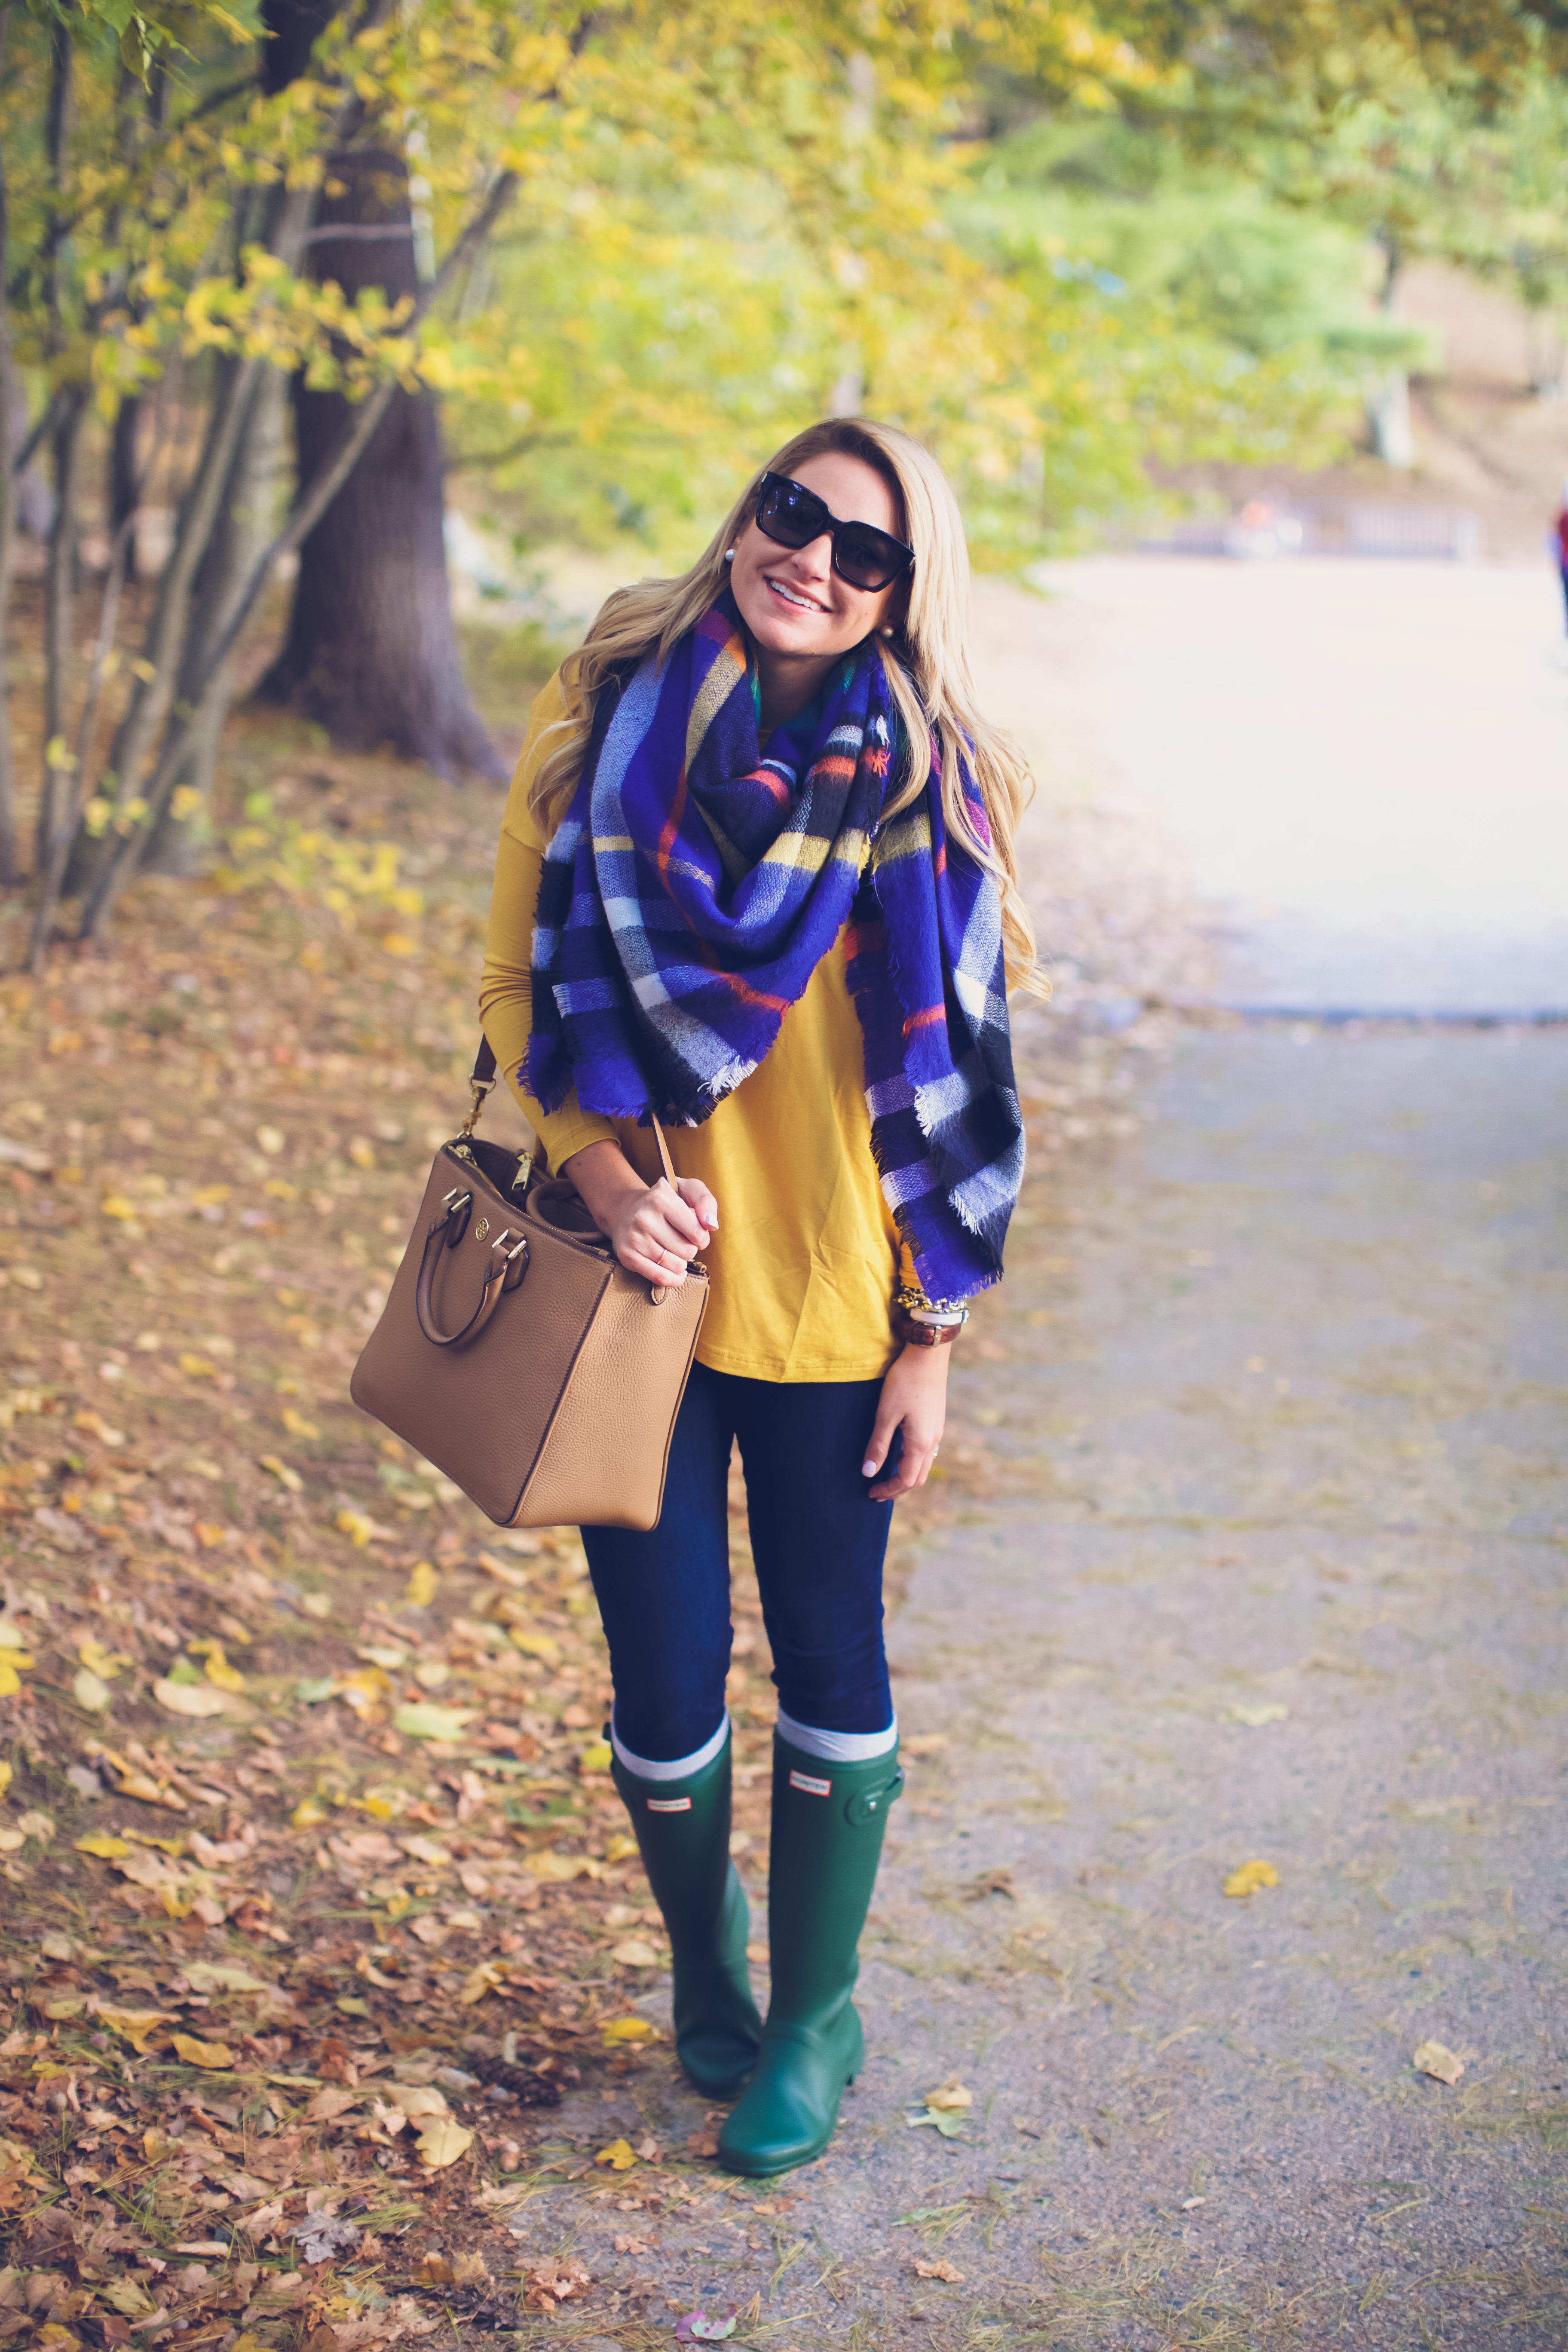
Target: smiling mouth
793,596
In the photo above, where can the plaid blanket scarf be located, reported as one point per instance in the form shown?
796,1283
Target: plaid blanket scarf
694,884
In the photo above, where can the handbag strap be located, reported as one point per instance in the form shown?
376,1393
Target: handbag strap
482,1078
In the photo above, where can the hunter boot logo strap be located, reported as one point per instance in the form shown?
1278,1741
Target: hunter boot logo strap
813,1788
669,1804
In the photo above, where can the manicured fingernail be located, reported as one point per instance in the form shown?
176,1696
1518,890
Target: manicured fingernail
867,1469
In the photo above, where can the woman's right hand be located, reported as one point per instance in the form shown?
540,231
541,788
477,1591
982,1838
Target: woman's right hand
655,1230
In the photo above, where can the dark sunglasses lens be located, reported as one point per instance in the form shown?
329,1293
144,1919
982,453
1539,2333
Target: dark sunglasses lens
867,558
791,516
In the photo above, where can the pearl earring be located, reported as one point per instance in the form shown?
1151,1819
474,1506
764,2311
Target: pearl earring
888,630
728,555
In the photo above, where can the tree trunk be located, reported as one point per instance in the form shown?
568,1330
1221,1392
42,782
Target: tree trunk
59,616
1388,394
124,481
372,652
244,526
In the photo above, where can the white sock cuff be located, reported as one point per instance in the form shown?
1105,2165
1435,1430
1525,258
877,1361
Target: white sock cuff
839,1747
649,1768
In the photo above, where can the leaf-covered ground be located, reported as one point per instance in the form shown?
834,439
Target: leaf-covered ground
320,1895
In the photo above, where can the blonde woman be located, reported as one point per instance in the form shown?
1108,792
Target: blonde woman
756,876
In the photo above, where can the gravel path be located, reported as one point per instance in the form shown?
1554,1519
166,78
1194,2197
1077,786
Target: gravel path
1260,1556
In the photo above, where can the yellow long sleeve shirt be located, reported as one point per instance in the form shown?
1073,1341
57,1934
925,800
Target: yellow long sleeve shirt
803,1268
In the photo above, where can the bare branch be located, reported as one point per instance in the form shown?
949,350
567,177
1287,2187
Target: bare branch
357,431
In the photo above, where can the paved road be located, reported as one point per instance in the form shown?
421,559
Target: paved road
1268,1563
1367,764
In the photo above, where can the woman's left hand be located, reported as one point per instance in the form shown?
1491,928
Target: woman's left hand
914,1399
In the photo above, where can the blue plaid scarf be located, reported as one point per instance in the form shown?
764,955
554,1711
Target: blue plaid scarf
697,881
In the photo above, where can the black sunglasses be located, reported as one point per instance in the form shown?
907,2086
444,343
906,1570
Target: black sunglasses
793,516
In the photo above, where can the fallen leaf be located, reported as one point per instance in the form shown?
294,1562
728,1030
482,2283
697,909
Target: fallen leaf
637,1953
332,2099
1268,1711
442,2142
319,2236
422,1586
649,2148
413,2099
218,1670
280,1471
212,1975
432,2270
626,2029
697,2328
595,1758
103,1845
133,2025
558,1867
951,2094
1443,2066
426,1721
940,2269
91,1692
620,2154
192,1699
296,1423
478,1982
1250,1878
537,1646
128,2296
950,2122
104,1664
215,2055
551,2284
990,1882
702,2143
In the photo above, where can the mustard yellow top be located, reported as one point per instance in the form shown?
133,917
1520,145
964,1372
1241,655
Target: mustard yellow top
807,1258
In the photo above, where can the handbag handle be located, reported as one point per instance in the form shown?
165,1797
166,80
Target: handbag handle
483,1078
507,1267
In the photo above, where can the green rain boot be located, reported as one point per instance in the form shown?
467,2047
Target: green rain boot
683,1833
829,1821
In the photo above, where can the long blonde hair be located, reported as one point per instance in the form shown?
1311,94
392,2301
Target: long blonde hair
930,680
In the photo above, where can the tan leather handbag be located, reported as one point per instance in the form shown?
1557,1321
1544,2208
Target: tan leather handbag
517,1353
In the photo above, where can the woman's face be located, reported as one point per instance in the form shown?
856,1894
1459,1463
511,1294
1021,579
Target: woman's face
791,598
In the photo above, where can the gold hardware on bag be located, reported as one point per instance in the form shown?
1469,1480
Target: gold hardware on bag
481,1228
479,1089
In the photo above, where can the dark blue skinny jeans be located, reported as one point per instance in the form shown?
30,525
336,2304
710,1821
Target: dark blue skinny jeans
817,1540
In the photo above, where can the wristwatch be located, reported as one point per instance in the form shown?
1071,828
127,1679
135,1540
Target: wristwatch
921,1322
